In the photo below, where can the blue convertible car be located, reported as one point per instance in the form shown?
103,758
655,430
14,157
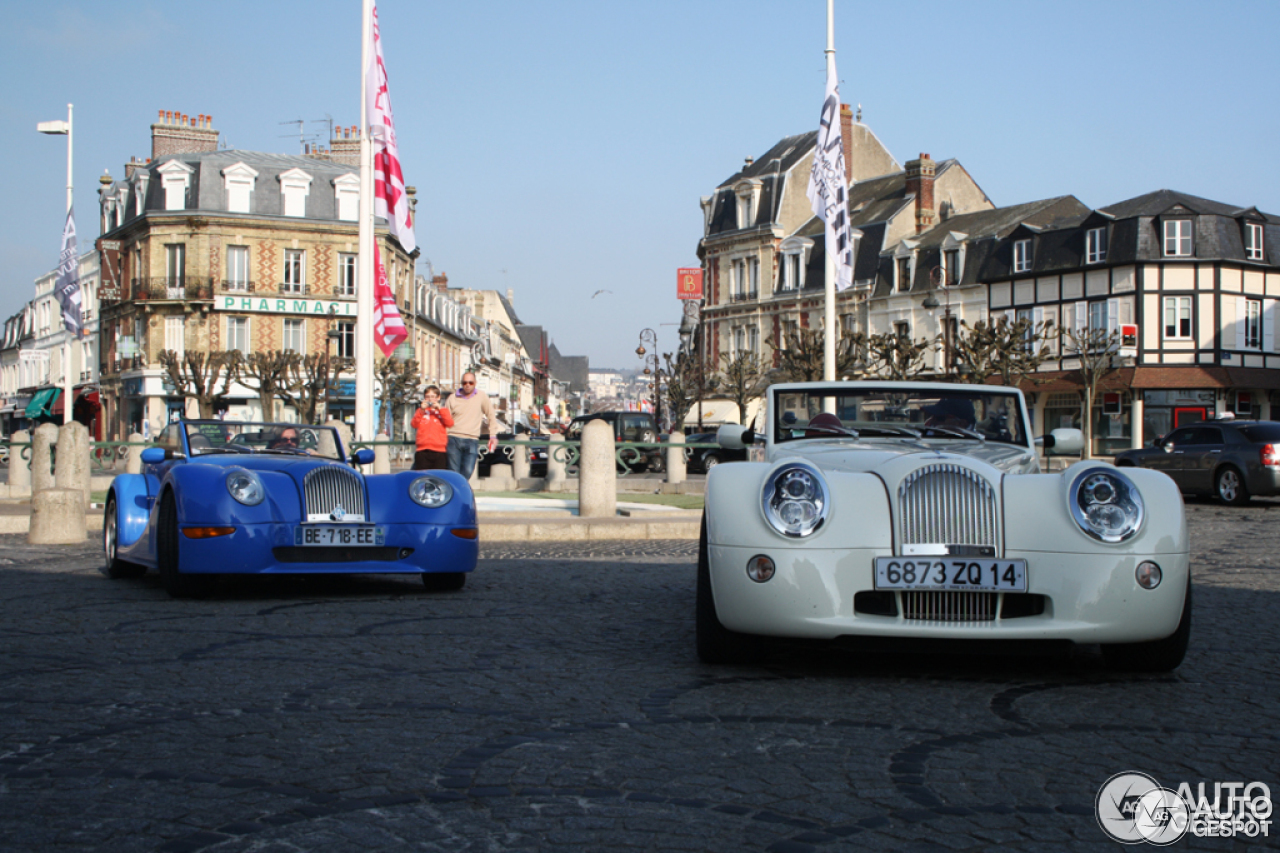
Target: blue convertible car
223,497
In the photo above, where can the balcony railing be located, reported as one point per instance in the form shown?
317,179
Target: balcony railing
746,297
184,288
236,287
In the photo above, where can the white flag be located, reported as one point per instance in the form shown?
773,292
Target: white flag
67,286
389,198
828,187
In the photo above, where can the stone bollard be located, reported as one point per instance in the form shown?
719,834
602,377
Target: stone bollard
500,478
134,463
597,474
41,458
19,464
675,458
57,517
71,468
381,455
519,462
555,464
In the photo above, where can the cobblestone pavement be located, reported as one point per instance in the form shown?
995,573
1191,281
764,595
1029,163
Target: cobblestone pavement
556,704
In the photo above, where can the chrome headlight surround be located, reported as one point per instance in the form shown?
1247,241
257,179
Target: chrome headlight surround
795,500
1106,505
245,487
430,492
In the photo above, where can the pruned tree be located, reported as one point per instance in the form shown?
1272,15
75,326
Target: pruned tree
309,382
1010,350
742,379
397,383
892,355
803,359
686,385
205,377
1096,351
269,374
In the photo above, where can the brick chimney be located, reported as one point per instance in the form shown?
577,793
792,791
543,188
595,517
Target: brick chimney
920,175
175,133
846,137
344,148
441,282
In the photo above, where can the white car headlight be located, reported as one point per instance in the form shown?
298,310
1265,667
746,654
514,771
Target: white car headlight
245,487
430,492
1106,504
795,500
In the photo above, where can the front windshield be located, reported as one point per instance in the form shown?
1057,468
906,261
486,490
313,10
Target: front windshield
898,411
205,437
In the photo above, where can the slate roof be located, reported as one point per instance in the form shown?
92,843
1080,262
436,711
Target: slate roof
1159,202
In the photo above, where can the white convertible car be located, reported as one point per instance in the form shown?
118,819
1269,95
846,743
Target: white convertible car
918,510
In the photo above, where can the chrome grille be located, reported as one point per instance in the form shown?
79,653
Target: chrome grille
947,504
950,606
329,487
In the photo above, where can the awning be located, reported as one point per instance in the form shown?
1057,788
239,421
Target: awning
41,402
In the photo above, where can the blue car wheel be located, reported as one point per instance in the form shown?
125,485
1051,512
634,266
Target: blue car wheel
168,552
116,568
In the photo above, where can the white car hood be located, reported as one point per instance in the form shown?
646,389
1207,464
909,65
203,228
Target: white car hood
863,455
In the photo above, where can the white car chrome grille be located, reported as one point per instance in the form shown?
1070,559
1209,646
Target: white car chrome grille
948,504
950,606
333,493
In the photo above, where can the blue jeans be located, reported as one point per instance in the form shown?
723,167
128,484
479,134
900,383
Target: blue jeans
463,453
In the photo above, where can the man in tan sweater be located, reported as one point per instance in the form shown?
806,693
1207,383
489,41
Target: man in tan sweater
470,409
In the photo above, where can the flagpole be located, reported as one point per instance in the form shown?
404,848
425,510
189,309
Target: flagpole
829,268
364,289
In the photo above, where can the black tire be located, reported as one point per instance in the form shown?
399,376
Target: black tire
168,556
716,643
1228,485
1157,655
444,581
116,568
710,461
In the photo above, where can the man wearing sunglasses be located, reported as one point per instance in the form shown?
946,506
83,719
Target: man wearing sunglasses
470,410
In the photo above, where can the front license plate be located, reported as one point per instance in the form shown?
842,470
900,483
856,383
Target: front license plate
350,535
969,575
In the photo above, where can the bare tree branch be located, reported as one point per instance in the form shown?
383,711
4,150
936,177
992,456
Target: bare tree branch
203,377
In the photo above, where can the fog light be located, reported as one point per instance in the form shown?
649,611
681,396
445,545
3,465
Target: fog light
760,568
1149,575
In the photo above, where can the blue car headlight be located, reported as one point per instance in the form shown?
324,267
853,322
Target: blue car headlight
245,487
1106,505
430,492
795,500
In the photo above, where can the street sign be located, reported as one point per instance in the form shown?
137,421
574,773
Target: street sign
689,283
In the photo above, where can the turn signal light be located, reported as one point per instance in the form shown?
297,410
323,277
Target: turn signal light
466,532
1270,458
207,532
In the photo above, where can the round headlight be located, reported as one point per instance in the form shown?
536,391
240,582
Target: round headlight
1106,505
430,492
795,500
245,487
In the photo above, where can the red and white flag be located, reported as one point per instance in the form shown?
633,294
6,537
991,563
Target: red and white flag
389,198
388,327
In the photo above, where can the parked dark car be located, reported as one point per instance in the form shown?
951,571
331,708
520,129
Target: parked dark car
700,460
627,426
503,454
1231,459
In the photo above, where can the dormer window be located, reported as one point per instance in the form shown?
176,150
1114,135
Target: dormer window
175,177
141,179
748,195
1253,241
1095,245
295,186
238,181
1177,238
953,252
346,191
793,263
904,266
1022,256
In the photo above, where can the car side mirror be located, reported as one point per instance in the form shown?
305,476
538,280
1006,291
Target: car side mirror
363,456
735,436
1065,440
155,455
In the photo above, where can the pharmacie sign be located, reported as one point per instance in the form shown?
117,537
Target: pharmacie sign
284,305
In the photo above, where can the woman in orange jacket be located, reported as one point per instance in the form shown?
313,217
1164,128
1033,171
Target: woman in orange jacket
432,421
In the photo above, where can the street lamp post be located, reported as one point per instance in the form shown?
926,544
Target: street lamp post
63,128
650,337
690,342
937,274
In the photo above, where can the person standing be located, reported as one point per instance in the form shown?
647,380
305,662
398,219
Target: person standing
432,421
470,409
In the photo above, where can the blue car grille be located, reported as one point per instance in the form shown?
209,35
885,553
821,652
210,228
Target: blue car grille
333,493
948,504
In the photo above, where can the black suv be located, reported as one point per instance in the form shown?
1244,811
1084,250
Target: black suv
627,426
1228,458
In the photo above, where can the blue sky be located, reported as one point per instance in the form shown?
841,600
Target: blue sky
560,147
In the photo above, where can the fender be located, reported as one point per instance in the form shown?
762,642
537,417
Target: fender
134,494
